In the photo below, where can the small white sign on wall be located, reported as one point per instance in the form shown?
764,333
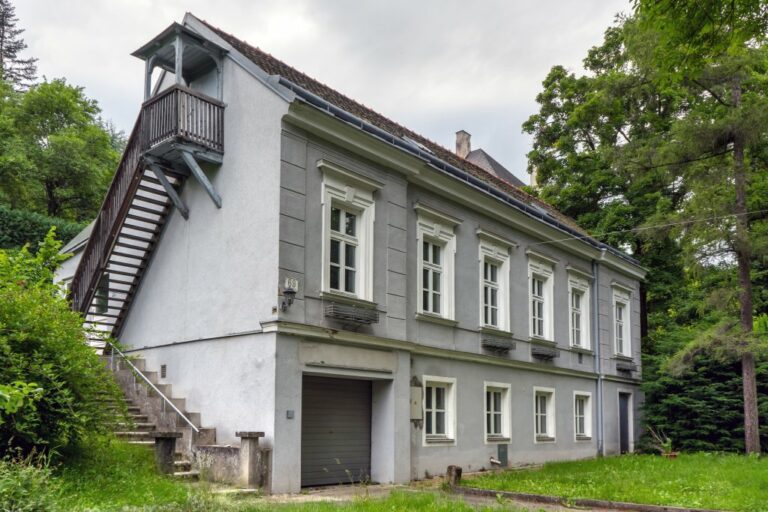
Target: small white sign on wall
292,283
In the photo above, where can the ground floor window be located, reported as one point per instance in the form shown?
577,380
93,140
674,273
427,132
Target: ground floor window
439,409
497,412
544,414
582,415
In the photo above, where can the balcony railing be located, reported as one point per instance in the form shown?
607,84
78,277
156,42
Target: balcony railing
181,114
176,114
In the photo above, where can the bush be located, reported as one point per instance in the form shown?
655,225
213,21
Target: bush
43,351
20,227
27,486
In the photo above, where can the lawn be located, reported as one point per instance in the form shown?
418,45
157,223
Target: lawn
700,480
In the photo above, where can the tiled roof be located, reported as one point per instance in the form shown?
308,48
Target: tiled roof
482,159
273,66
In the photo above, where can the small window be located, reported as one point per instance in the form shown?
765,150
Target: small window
582,416
576,318
431,278
537,307
621,329
497,419
439,407
101,298
491,293
544,414
344,244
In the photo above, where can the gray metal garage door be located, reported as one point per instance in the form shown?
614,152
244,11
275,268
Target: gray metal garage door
335,431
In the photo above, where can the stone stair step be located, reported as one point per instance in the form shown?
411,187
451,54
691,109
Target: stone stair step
139,418
134,409
182,465
134,436
139,426
142,443
187,475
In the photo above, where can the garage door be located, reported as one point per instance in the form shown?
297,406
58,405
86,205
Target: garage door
335,431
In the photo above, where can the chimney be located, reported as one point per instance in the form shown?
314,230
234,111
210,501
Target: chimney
463,145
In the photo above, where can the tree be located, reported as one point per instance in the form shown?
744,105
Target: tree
716,51
59,151
13,69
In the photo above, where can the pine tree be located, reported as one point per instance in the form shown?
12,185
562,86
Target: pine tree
13,69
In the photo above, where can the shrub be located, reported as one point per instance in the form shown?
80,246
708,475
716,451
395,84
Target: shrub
42,344
20,227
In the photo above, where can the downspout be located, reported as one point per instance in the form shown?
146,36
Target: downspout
598,359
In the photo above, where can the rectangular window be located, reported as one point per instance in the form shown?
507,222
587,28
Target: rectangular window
576,318
620,328
344,243
431,278
537,306
582,416
490,294
497,420
439,409
544,414
101,298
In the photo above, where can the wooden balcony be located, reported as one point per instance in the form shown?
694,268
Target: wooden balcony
174,129
178,117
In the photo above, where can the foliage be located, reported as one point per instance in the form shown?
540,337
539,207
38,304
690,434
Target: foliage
13,396
699,480
13,68
27,486
56,155
20,227
42,341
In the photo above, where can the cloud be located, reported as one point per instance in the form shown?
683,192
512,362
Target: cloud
436,66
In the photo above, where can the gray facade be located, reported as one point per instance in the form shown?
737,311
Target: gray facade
210,306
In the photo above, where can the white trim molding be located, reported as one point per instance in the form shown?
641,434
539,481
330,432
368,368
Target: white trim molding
540,297
504,407
622,321
493,259
579,310
586,415
434,231
448,385
549,436
351,192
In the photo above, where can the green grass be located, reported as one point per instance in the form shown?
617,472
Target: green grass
700,480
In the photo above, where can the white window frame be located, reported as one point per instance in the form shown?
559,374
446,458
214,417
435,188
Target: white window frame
437,228
622,297
550,435
506,421
449,384
350,191
579,284
587,434
495,250
434,294
542,269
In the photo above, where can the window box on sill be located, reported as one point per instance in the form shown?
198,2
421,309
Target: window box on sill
583,438
439,440
436,319
497,439
348,299
582,350
545,439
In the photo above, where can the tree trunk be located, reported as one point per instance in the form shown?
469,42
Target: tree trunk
743,256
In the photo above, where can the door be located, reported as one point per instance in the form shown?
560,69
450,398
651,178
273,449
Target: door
624,427
335,431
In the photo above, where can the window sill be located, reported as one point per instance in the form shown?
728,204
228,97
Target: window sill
583,438
497,440
623,357
439,440
542,341
435,319
348,299
494,331
545,439
582,350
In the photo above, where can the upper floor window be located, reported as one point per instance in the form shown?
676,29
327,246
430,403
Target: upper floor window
622,321
436,250
540,276
348,217
578,321
494,280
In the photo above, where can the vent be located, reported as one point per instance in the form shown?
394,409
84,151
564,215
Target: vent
544,353
626,366
351,314
163,369
496,344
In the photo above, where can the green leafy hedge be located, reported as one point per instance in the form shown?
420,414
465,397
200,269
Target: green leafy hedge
19,227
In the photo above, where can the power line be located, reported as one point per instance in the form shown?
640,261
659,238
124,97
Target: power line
647,228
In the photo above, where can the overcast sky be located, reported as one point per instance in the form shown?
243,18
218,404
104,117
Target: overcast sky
436,66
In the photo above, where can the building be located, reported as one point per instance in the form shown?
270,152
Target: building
376,304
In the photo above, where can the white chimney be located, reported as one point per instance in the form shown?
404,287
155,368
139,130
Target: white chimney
463,144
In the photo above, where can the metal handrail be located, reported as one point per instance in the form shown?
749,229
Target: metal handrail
167,400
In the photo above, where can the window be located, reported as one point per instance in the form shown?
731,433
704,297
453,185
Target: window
578,321
101,298
439,409
540,277
497,420
621,321
348,215
494,280
544,414
582,415
436,249
431,277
